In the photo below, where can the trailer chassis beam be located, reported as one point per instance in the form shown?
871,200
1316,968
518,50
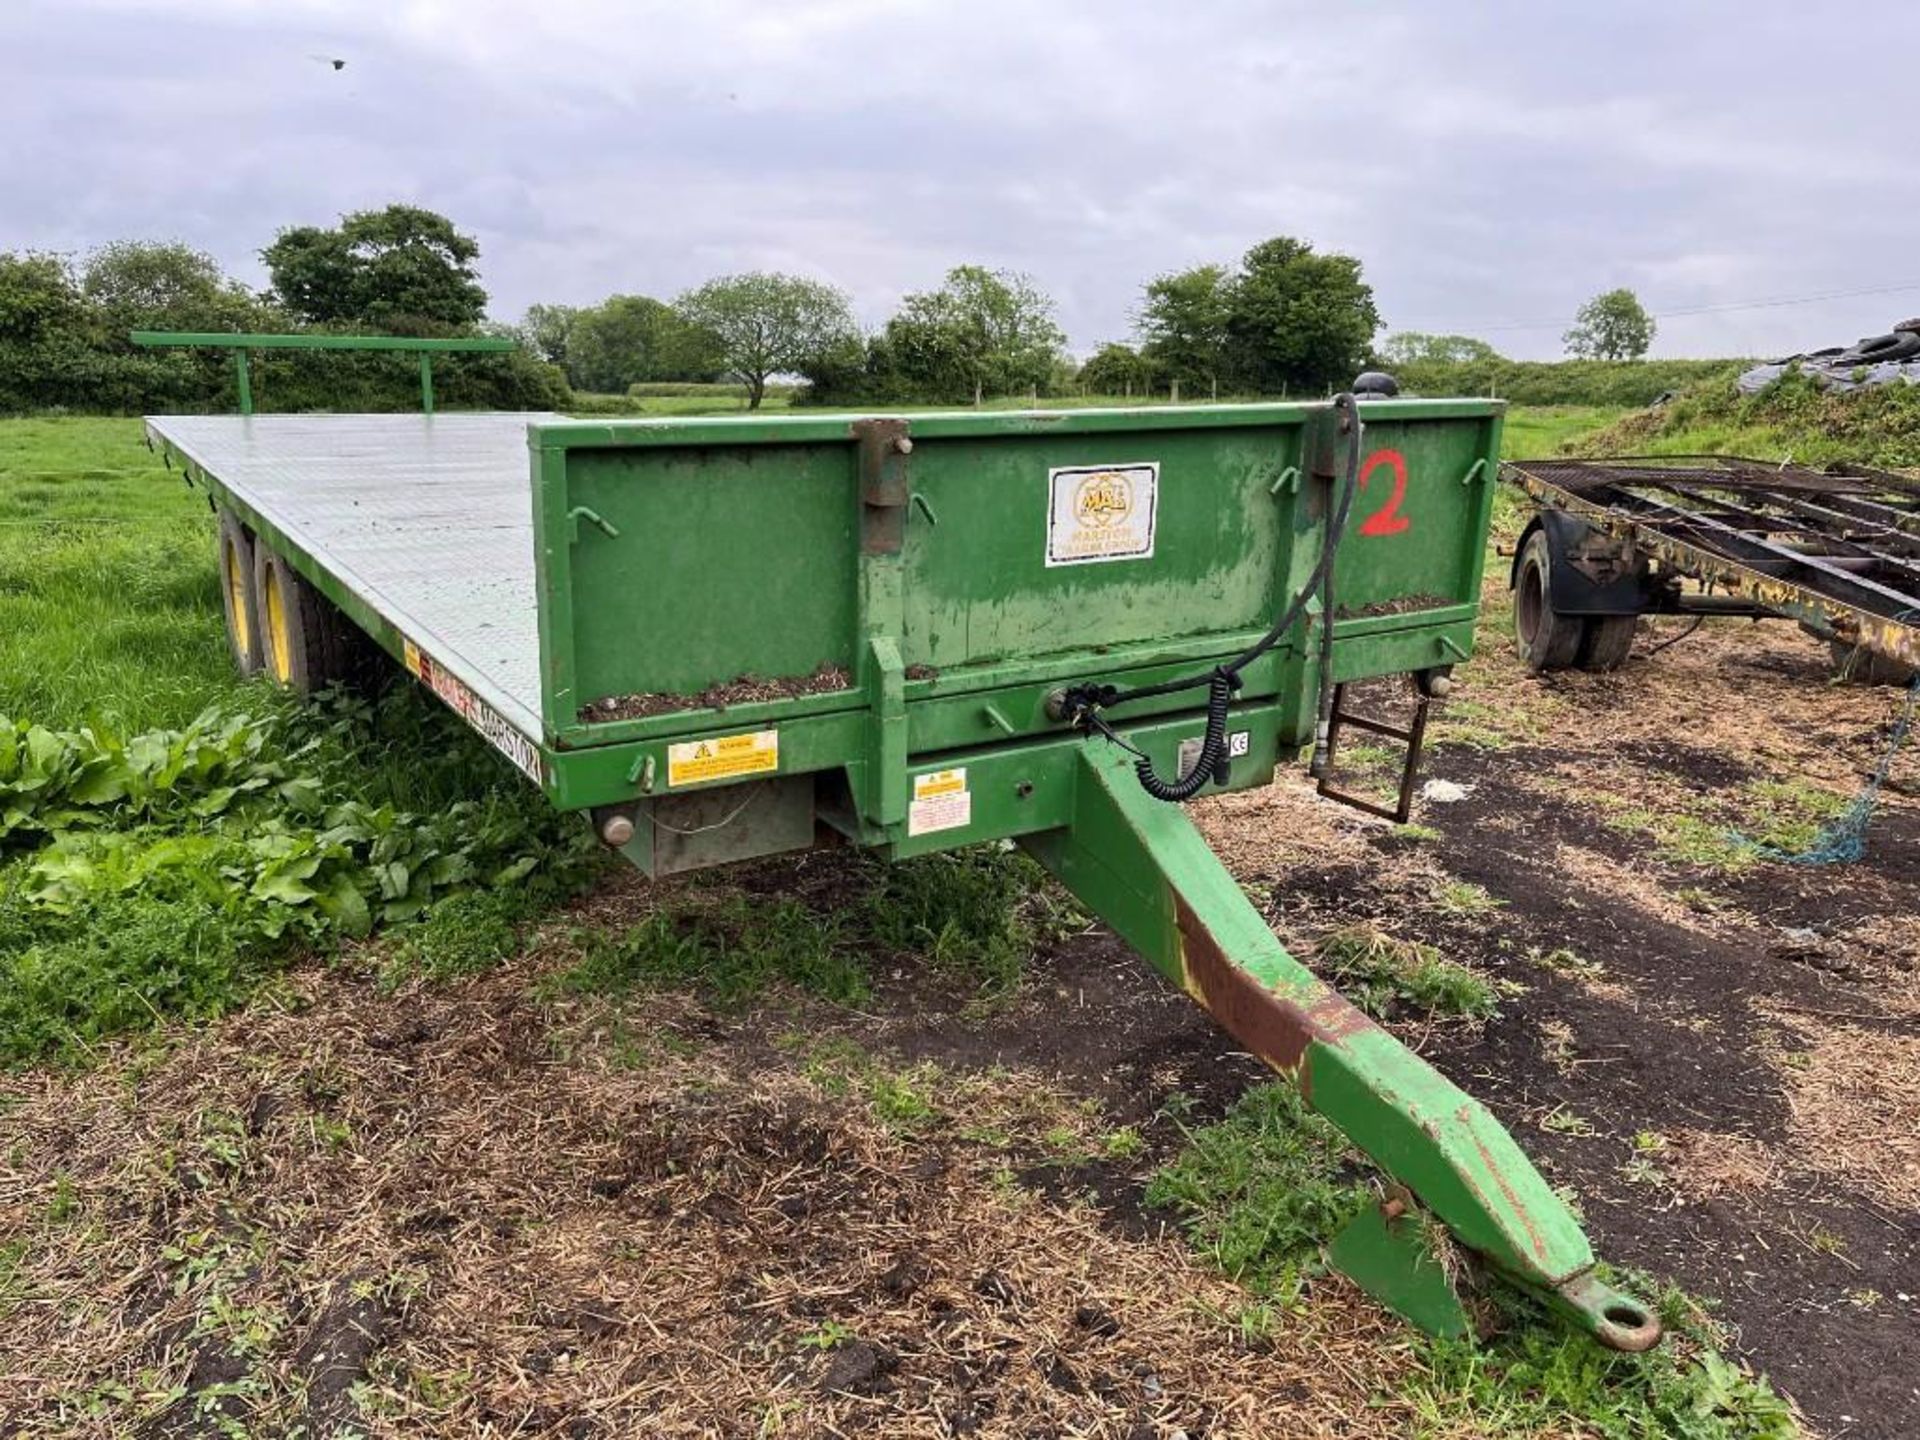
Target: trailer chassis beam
1148,872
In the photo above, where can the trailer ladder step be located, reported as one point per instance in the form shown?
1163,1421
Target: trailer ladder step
1413,736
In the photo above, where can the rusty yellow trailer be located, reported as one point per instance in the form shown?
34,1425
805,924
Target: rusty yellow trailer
1836,550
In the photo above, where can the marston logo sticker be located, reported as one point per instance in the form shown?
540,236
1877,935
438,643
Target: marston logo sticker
1102,512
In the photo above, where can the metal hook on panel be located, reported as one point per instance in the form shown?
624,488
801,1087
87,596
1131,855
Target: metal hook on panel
592,517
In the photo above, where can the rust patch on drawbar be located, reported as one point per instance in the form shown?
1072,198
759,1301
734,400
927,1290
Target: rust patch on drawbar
1275,1029
1535,1241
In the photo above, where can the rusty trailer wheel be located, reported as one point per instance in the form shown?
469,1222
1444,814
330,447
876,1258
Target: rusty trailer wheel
1861,666
1607,641
1548,640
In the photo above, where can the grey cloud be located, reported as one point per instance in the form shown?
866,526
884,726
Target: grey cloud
1490,164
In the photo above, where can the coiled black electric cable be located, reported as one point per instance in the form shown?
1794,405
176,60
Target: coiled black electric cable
1081,704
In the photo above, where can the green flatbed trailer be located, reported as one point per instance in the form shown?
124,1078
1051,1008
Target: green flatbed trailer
734,637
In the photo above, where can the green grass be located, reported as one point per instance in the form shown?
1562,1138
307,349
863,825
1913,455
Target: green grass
1728,830
974,916
1264,1190
1385,976
170,835
654,406
1259,1192
109,601
731,946
1538,431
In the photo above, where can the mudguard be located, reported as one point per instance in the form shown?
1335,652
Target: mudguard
1592,572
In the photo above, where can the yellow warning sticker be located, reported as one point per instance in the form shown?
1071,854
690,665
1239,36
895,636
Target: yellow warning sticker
941,801
939,782
410,654
695,761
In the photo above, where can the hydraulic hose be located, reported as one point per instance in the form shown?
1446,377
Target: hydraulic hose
1082,704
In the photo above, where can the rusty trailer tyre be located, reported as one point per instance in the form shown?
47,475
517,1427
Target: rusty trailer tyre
1607,641
237,594
1548,640
1861,666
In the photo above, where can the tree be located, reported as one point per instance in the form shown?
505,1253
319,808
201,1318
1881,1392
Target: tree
401,269
982,332
546,330
763,324
1411,347
39,300
141,285
1297,321
1183,325
1613,326
1116,370
628,339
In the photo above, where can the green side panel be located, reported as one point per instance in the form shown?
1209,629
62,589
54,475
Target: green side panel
979,588
1417,531
725,562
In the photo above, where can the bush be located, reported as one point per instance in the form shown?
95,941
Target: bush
714,389
1564,382
1874,425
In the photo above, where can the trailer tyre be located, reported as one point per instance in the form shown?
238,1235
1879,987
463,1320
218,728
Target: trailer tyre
237,594
306,644
1548,640
1607,642
1867,667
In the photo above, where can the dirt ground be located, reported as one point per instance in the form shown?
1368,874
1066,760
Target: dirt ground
461,1209
1721,1061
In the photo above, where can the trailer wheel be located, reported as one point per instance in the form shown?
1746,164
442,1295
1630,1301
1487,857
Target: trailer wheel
1607,641
237,594
1867,667
306,644
1548,639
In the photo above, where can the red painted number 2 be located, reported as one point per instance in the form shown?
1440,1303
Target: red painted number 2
1387,520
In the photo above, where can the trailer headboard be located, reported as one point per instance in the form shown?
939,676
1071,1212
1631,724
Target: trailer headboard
688,563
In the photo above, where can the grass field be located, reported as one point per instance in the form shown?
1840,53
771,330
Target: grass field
176,843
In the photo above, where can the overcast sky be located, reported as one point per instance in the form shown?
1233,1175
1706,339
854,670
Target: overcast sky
1492,165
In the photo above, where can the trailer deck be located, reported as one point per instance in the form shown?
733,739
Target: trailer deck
428,519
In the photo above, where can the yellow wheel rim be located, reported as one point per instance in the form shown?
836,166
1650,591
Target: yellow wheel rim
279,645
237,603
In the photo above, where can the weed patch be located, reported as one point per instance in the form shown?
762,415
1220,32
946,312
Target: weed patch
1382,974
732,947
167,872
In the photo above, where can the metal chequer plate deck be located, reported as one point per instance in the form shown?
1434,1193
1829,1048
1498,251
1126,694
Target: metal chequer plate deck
426,518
